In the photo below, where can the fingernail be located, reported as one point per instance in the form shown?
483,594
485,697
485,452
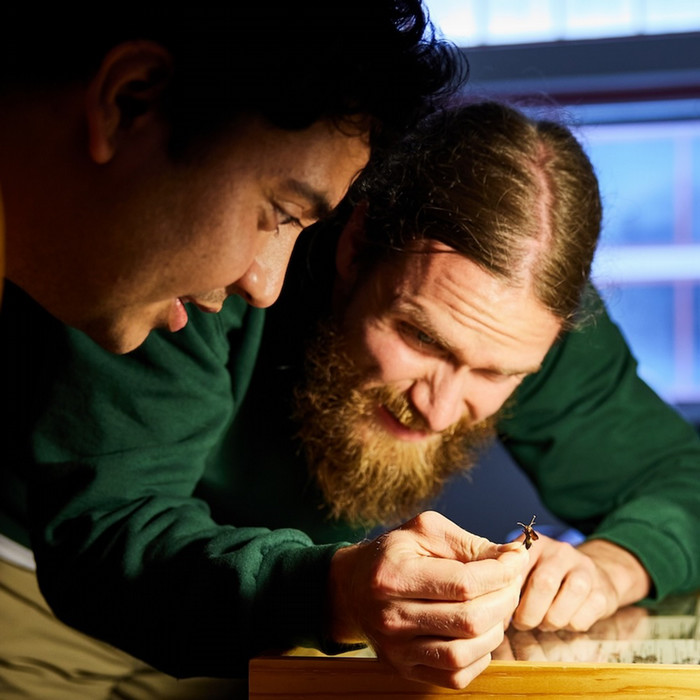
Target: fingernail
509,547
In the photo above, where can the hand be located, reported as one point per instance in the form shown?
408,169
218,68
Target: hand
430,598
572,588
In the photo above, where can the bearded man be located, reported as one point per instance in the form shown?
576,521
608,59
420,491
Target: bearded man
461,309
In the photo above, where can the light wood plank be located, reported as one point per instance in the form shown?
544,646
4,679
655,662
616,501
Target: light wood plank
294,677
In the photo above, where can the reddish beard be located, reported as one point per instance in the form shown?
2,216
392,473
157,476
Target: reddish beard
366,475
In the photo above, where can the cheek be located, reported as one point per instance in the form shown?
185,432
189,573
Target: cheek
490,398
222,252
388,360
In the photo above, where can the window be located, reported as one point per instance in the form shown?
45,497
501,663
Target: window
648,263
626,73
488,22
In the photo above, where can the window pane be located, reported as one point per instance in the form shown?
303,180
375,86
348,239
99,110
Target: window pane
474,22
636,183
646,316
695,196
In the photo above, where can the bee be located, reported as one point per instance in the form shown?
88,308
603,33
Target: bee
529,532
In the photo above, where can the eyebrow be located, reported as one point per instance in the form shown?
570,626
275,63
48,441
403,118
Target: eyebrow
320,205
417,314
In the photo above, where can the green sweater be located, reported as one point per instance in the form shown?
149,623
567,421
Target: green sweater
193,540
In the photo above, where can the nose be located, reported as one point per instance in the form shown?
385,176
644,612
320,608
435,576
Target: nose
261,283
441,399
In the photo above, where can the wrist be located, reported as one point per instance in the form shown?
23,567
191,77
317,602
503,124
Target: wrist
624,571
344,627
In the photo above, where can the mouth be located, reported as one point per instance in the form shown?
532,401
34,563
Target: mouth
398,429
209,304
178,318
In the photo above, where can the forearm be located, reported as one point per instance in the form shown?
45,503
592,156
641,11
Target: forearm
190,603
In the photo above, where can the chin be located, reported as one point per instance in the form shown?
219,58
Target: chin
117,336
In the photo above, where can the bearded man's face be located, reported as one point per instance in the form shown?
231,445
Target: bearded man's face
367,475
401,395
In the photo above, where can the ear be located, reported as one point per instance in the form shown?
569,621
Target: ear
349,245
125,94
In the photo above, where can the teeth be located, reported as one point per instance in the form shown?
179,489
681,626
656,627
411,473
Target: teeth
404,416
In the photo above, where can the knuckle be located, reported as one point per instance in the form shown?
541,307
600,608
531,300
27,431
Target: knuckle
389,621
383,579
462,589
451,658
380,581
427,520
599,602
543,580
579,584
474,620
432,656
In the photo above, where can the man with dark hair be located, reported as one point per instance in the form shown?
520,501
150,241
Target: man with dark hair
170,157
155,167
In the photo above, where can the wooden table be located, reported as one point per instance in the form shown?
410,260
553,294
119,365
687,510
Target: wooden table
626,656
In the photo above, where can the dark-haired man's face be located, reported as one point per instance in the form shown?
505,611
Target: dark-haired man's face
429,349
151,237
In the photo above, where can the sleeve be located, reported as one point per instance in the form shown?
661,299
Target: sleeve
609,456
124,550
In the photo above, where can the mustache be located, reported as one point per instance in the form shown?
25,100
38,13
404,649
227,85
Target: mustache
401,408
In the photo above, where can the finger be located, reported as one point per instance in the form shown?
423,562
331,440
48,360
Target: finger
573,598
459,620
442,538
450,654
594,608
541,588
456,680
531,609
435,578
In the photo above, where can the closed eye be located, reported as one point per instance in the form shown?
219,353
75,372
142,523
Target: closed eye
284,218
496,376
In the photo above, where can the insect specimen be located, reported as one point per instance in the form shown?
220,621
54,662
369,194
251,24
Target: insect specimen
529,532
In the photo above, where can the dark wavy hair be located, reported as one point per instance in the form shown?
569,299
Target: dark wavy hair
488,181
293,62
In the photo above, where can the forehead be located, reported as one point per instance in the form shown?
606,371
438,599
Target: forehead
317,163
481,319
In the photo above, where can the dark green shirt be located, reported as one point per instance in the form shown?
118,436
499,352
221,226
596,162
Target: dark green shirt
194,541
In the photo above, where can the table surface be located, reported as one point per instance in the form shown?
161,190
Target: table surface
637,653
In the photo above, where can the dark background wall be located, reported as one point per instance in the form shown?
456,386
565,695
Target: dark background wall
492,497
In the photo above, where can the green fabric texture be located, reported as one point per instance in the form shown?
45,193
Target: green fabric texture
176,521
106,454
